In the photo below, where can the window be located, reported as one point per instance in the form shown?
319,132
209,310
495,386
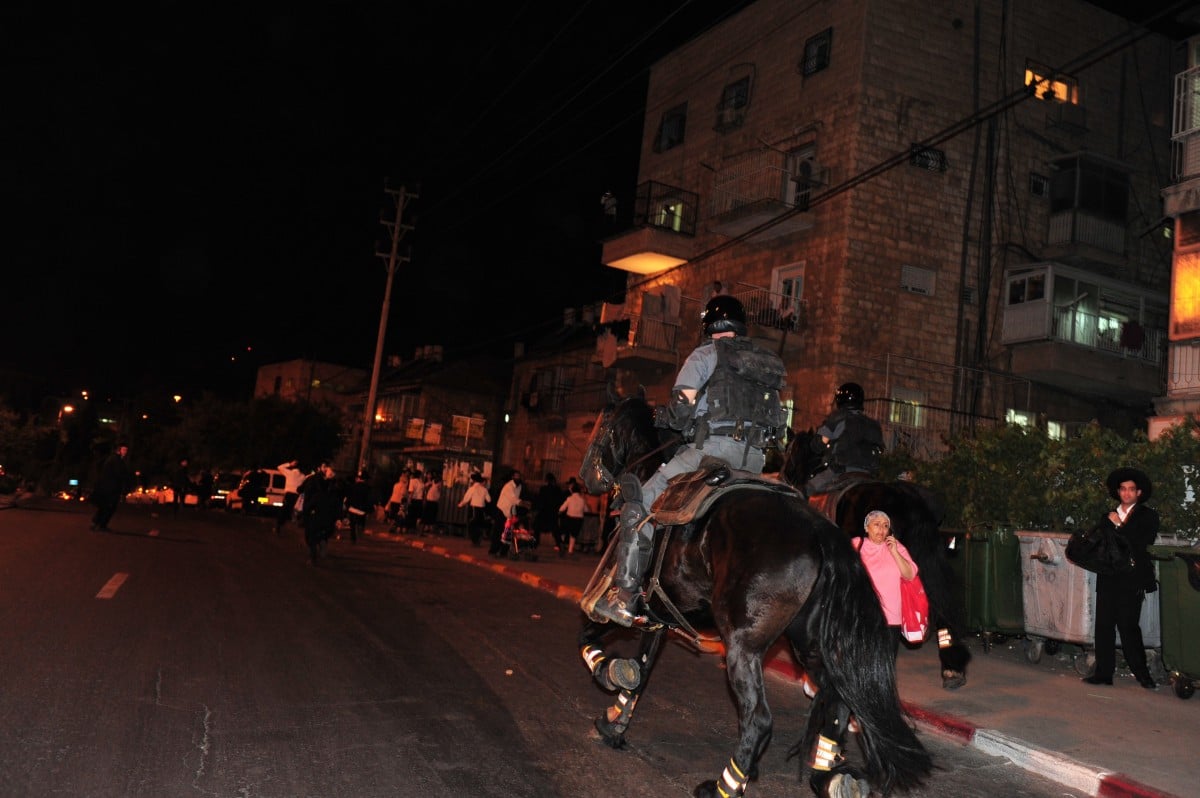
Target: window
906,410
801,174
787,289
735,98
1039,185
670,214
1051,86
929,158
1019,418
670,129
1026,419
1027,288
816,53
1085,184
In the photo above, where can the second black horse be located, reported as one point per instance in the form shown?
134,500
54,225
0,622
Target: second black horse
916,519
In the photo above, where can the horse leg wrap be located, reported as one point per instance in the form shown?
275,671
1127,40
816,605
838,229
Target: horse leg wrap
733,781
612,674
620,713
827,755
945,639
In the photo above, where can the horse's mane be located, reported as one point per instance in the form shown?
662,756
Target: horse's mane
635,437
799,460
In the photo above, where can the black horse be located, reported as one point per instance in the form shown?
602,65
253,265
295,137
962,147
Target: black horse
916,515
758,563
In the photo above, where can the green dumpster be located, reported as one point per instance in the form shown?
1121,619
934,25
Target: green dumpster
987,567
1179,607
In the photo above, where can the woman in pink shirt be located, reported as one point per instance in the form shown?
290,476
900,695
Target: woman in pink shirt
887,562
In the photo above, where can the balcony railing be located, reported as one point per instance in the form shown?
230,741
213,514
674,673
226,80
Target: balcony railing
666,207
772,310
1077,227
1023,323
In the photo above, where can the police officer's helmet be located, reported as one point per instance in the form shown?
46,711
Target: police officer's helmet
849,394
724,314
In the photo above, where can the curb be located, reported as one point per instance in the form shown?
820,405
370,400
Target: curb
1047,764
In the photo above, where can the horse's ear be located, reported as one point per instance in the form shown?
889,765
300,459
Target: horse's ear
610,392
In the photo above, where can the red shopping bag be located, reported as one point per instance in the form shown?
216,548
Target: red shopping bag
914,610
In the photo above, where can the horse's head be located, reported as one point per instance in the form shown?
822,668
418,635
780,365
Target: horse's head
623,435
800,460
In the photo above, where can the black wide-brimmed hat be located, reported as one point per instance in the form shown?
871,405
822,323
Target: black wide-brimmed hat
1127,474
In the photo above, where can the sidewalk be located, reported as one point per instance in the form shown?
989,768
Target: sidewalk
1117,742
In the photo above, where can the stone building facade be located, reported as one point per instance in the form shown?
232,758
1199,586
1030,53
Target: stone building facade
957,205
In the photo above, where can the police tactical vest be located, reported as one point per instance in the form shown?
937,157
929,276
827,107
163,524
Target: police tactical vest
859,444
745,384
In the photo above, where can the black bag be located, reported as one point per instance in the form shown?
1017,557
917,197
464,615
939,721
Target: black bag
1100,550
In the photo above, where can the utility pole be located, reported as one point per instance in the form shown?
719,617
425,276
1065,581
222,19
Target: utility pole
394,258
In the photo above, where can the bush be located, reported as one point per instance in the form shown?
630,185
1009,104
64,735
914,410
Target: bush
1018,478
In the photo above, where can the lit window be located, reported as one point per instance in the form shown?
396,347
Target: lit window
1049,85
907,410
1056,430
1019,418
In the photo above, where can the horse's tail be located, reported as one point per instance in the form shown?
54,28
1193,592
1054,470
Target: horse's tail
857,654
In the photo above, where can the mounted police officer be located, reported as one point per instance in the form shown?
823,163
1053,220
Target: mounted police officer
726,402
851,439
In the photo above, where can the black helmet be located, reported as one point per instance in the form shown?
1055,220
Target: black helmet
724,313
849,394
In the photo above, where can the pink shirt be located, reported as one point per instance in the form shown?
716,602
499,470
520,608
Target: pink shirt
885,575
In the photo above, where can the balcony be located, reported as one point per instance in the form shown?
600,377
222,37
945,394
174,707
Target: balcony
1078,237
1070,349
651,344
761,191
662,232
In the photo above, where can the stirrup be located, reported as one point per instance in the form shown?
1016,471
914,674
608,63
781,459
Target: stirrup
618,605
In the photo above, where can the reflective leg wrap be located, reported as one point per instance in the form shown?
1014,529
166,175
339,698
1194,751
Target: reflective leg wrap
620,712
827,755
612,674
732,782
945,640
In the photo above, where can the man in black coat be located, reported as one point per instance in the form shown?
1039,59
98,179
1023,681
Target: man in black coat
114,481
1119,596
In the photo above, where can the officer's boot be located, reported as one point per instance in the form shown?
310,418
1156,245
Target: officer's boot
621,603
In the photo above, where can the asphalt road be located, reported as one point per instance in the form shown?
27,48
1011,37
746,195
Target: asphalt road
204,656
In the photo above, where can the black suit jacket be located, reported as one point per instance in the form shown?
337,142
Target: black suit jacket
1141,530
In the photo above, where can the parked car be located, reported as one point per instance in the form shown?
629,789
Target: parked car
224,484
272,498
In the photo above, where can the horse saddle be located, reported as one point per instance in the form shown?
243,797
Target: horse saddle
689,495
826,503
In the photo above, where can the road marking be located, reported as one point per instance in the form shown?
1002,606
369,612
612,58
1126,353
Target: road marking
113,585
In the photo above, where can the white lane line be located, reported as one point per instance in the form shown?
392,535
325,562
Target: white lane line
110,589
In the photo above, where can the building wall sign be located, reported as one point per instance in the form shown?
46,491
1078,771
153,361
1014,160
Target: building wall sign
1185,297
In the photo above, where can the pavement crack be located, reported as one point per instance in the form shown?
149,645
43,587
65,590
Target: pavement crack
203,746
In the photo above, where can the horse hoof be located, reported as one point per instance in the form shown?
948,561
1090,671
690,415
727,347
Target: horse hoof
707,789
609,734
848,785
952,680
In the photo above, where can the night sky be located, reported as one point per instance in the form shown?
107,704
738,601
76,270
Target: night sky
196,190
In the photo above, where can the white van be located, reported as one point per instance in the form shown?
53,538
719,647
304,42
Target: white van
270,501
